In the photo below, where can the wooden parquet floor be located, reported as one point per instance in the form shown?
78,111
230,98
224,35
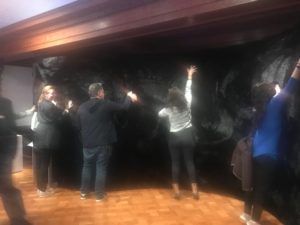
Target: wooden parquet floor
133,207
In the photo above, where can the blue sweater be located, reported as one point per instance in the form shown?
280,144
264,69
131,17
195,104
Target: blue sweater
270,132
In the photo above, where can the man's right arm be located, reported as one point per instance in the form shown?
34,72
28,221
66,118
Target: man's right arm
131,97
114,106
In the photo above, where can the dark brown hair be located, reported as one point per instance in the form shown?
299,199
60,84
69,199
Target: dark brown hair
176,99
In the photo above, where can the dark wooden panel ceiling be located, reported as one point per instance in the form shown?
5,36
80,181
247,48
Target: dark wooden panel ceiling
146,26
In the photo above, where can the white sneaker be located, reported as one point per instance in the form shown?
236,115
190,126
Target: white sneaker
252,222
42,194
101,198
244,217
50,190
83,196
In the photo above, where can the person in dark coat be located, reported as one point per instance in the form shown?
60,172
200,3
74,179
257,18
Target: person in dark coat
11,196
46,137
95,120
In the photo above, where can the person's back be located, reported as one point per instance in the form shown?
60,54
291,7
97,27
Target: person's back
271,129
95,121
178,110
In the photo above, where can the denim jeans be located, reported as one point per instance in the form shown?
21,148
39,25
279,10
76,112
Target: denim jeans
100,156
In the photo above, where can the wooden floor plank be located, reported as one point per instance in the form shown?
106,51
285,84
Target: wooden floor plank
135,207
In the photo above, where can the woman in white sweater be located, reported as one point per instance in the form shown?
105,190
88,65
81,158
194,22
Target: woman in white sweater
181,140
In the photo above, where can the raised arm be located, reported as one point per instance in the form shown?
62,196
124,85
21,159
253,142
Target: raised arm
296,72
190,71
131,97
188,88
292,84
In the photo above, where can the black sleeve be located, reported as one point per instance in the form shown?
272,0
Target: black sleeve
77,123
113,106
49,112
11,117
7,118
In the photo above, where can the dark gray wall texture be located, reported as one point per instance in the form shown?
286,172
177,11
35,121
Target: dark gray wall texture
221,112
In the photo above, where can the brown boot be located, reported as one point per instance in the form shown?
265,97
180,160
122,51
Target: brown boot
195,191
176,191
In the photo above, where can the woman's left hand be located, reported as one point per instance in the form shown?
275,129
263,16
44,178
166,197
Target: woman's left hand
191,70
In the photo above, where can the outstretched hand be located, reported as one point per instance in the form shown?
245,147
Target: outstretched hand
70,104
132,96
191,70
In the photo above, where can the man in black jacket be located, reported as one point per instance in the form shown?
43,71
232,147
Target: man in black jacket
11,196
95,118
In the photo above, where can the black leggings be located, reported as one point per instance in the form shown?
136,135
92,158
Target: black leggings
182,142
264,168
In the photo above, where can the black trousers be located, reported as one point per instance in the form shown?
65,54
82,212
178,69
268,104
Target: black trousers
42,163
11,196
182,143
264,168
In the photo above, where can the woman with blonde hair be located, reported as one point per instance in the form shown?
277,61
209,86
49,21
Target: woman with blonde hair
46,137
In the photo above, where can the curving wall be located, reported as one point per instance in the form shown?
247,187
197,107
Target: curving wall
221,112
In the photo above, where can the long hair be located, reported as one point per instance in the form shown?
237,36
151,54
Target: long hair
262,93
45,91
176,99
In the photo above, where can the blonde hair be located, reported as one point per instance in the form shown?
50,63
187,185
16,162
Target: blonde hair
45,91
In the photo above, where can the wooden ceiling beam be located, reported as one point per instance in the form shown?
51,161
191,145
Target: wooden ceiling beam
98,23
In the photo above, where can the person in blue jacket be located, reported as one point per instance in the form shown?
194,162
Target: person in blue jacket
269,140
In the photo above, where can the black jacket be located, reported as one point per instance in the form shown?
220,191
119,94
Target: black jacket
47,133
95,119
7,120
7,129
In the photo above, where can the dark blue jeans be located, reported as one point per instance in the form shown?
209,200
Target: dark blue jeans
98,156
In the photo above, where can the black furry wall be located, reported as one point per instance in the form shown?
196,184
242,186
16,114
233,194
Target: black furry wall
221,112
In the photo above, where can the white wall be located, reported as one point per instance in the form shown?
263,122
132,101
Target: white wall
12,11
17,84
